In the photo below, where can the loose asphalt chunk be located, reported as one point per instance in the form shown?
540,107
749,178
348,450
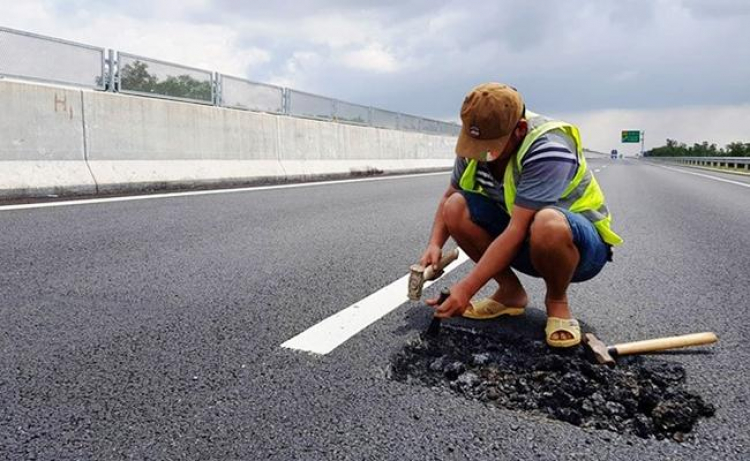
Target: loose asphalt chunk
641,396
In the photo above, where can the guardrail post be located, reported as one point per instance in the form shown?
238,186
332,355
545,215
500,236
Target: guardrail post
115,71
285,101
110,77
215,88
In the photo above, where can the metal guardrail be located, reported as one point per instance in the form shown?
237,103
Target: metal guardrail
384,119
716,162
346,112
35,57
150,77
308,105
237,93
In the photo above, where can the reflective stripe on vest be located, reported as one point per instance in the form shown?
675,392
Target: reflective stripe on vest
582,195
468,181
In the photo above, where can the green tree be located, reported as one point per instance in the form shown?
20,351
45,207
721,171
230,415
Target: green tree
738,149
677,149
185,86
136,77
671,149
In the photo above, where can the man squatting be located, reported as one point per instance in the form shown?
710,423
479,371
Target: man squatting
520,198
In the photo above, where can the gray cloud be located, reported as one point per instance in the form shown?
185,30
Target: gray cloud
393,10
718,8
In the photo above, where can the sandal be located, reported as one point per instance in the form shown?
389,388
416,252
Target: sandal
488,308
556,324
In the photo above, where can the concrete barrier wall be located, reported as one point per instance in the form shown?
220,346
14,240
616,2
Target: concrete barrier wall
42,149
309,148
143,143
65,141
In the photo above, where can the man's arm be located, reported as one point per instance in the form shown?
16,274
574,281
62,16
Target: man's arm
498,257
439,234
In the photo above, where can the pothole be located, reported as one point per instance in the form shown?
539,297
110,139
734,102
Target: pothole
640,396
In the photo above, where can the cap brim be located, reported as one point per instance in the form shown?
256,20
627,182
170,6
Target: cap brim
473,148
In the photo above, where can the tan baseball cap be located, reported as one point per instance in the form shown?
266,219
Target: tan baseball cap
489,115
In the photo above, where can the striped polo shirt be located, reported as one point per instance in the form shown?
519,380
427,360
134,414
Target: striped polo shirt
547,169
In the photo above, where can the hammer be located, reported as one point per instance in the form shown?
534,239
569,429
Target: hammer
604,354
434,328
420,274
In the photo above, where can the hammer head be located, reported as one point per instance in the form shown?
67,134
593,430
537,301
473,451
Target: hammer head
416,281
420,274
598,349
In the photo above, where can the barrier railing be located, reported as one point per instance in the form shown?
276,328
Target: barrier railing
307,105
715,162
384,119
150,77
346,112
237,93
35,57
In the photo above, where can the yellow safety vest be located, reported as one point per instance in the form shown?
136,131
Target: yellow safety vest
582,195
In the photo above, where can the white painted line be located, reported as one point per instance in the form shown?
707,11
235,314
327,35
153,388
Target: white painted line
330,333
597,170
27,206
715,178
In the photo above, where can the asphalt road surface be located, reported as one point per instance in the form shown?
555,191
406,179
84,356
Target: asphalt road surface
152,329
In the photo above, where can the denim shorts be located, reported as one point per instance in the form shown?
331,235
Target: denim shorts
594,253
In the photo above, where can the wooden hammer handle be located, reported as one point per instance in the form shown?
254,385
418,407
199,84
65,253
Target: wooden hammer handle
660,344
429,272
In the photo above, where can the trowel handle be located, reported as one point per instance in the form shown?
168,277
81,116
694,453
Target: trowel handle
429,272
660,344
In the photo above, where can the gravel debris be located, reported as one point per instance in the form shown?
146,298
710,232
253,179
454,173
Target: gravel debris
641,396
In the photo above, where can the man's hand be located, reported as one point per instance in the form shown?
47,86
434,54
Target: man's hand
431,256
455,305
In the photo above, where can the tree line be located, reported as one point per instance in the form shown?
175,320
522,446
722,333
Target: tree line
136,77
704,149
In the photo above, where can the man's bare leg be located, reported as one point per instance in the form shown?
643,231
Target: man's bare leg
474,241
555,257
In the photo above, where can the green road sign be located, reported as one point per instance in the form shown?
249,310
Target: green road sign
631,136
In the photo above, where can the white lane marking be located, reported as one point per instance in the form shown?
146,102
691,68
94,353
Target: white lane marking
330,333
92,201
715,178
597,170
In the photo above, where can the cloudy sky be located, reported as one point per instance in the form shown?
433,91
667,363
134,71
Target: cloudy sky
674,68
